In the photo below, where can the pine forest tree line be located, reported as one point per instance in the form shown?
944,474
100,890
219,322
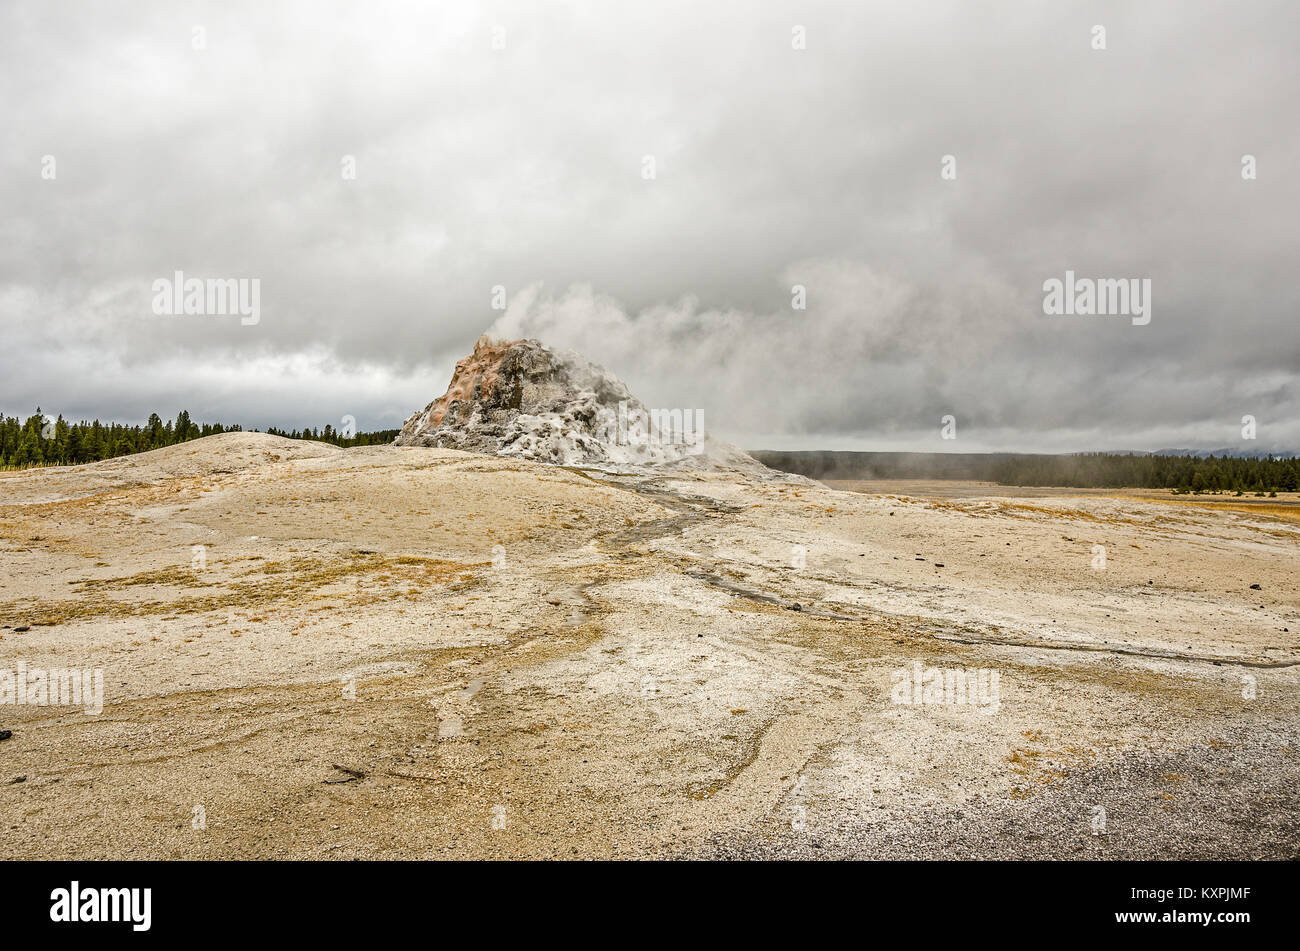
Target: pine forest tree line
41,441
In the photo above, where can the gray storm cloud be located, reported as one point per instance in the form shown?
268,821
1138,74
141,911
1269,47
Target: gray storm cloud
521,166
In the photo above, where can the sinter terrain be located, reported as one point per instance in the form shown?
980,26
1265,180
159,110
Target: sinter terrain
390,651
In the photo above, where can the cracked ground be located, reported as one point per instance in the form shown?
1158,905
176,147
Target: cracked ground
394,652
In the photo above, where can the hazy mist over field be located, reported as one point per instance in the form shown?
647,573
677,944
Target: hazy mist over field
524,167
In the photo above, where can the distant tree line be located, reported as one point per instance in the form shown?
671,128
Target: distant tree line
1182,473
331,435
1258,474
41,441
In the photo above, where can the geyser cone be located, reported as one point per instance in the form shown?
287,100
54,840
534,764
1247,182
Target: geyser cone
522,399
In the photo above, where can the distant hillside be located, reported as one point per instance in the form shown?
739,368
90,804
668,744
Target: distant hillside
1221,453
1085,470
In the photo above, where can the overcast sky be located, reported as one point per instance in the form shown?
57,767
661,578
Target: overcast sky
524,167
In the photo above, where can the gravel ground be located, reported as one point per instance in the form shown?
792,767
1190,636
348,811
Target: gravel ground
1237,798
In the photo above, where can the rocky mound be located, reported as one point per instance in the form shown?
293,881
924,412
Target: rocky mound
522,399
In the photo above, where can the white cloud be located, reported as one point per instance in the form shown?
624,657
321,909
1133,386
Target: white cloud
521,167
